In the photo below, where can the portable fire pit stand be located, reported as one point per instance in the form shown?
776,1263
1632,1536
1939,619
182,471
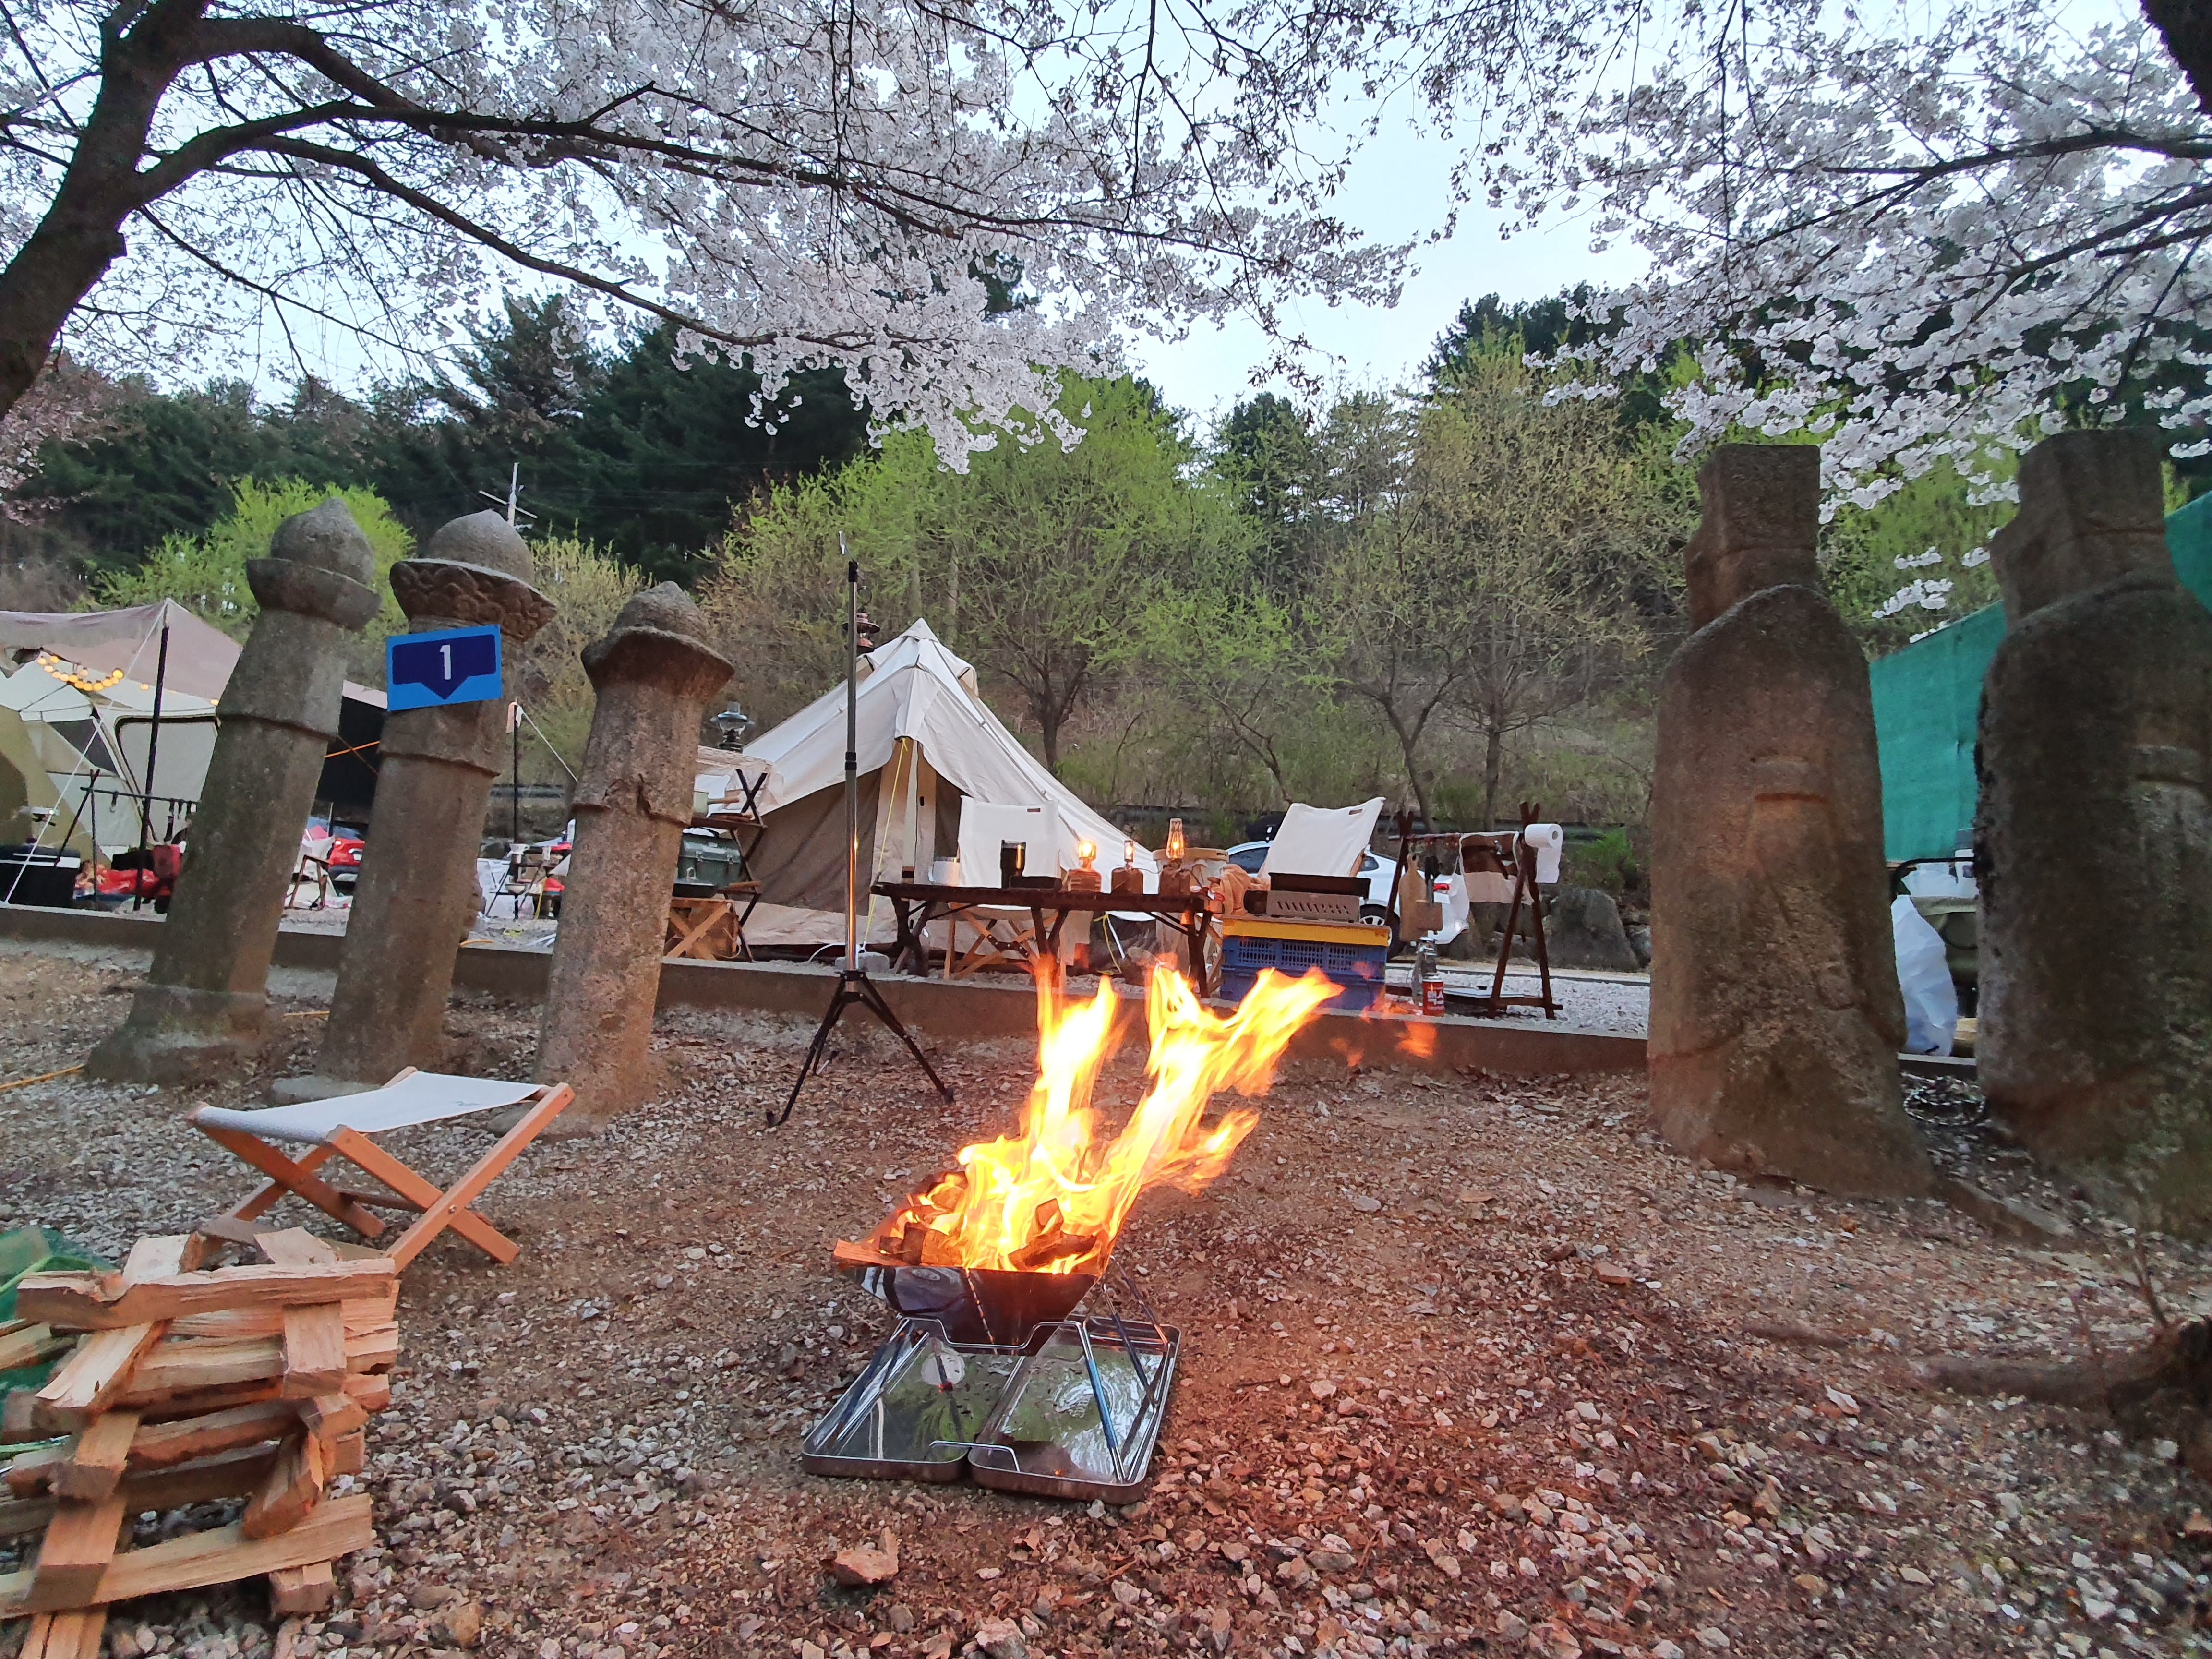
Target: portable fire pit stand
1075,1410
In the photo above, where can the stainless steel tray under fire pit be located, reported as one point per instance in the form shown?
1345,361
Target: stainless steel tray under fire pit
1075,1412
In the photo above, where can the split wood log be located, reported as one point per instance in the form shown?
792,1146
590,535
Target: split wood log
308,1589
19,1418
359,1313
73,1635
79,1544
293,1489
315,1346
232,1474
97,1302
348,1454
180,1366
294,1246
194,1560
372,1388
28,1345
89,1379
330,1415
31,1472
164,1445
98,1458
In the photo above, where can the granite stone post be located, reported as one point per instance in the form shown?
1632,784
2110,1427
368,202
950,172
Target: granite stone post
653,674
1776,1017
2092,840
417,894
204,999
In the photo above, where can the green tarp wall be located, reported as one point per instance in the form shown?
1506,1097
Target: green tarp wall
1928,697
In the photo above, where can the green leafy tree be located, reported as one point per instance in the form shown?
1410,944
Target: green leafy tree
1038,563
588,588
206,573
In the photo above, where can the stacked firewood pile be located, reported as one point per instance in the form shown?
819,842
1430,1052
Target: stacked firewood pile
188,1385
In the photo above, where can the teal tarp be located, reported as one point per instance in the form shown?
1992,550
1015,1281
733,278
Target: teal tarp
1928,697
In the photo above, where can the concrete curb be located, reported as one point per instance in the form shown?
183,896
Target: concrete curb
960,1010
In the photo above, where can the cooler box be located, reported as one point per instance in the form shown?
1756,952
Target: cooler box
1351,955
38,875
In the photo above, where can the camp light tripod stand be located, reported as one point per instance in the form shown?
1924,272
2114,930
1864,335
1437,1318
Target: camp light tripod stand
853,984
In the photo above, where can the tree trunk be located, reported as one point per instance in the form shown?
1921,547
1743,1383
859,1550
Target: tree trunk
2186,25
1407,742
1493,769
82,233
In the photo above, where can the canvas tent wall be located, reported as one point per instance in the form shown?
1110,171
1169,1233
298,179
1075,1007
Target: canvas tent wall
1927,702
82,685
927,741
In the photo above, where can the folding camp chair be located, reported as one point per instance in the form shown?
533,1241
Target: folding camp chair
342,1127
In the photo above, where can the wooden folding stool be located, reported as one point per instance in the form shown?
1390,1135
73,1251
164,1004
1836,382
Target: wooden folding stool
345,1126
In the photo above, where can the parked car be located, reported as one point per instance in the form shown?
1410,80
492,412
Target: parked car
1380,875
348,844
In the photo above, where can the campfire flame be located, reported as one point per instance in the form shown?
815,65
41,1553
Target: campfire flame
1053,1198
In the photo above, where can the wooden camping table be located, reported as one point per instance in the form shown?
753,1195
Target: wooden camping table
694,929
915,904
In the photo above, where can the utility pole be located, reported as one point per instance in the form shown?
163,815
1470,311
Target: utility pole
511,501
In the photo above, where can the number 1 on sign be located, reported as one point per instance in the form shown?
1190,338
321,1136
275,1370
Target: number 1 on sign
446,660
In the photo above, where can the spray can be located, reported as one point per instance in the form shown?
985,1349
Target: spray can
1428,978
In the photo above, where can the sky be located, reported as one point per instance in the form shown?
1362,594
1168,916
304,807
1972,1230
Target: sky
1397,189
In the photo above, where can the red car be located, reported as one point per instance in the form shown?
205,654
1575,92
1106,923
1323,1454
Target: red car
346,849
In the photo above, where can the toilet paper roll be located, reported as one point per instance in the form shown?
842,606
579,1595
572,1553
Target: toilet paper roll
1546,841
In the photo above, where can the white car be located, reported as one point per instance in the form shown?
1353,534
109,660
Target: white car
1379,873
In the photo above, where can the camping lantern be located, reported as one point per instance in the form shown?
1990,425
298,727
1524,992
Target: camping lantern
1129,879
1084,878
733,723
1173,852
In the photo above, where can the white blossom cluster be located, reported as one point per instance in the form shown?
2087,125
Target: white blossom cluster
1928,593
1909,238
799,182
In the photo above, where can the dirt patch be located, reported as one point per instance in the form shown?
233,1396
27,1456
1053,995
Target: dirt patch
1470,1367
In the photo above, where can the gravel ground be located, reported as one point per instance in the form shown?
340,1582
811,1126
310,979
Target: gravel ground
1471,1365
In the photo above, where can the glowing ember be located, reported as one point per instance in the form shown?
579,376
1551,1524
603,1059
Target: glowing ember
1053,1199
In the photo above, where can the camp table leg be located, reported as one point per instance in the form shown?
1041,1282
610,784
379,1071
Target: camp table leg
751,904
906,948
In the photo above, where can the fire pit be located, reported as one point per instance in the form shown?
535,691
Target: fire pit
987,1264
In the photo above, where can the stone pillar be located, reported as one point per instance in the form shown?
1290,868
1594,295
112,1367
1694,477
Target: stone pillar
203,1001
417,895
653,674
1776,1017
2093,842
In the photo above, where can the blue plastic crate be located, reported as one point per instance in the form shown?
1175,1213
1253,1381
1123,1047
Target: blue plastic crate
1249,953
1353,993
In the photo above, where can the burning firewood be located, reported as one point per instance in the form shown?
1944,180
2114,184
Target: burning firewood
1053,1199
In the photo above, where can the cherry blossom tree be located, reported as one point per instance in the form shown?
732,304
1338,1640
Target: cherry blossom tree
845,183
1917,243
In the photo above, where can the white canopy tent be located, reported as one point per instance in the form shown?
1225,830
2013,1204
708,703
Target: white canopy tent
77,692
926,742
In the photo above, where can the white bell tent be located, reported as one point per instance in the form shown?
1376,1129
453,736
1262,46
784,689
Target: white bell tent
928,741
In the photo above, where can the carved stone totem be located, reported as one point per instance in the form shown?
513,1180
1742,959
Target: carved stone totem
204,999
417,894
1776,1017
653,673
2093,842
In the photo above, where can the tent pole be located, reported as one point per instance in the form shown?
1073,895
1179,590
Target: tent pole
854,985
852,757
153,749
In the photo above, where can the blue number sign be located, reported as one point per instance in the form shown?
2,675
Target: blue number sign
431,671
